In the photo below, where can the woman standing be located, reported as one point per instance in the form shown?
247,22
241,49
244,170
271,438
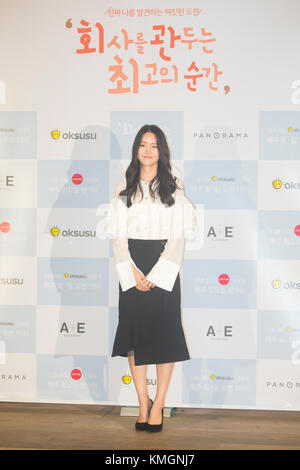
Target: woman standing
148,257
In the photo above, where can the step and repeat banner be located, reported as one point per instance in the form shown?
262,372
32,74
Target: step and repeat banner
77,81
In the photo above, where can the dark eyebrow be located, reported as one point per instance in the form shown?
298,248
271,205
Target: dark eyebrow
145,142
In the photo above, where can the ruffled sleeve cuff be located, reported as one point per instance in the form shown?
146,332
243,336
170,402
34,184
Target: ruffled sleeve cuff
125,275
164,274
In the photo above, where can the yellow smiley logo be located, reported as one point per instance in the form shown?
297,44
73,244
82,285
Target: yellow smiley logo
55,134
276,284
54,231
277,183
126,379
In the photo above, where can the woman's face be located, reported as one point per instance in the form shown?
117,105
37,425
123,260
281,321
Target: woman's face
148,153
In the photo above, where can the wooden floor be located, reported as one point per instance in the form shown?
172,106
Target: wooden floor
56,426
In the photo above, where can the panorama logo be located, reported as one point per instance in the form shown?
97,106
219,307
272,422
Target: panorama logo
13,377
280,385
56,134
218,134
279,184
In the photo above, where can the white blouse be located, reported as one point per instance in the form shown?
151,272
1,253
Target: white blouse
150,219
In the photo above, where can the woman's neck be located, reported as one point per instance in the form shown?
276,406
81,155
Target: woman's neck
147,177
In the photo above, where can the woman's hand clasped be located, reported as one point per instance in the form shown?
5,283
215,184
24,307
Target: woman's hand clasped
141,282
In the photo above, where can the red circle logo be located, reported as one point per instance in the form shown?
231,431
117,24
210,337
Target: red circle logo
76,374
297,230
77,178
223,279
5,227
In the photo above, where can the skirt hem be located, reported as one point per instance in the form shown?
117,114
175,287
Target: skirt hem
149,362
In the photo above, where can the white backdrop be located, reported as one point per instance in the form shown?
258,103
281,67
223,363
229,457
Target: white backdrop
77,80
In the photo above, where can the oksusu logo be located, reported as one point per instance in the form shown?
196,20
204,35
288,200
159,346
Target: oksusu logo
290,185
56,134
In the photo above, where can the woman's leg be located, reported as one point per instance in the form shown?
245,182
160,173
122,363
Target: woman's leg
139,375
163,374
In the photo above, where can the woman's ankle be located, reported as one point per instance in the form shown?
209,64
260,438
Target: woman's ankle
158,402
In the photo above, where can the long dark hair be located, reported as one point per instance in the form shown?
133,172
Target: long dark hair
164,182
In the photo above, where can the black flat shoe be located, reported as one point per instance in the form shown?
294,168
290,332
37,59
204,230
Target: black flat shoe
156,427
142,426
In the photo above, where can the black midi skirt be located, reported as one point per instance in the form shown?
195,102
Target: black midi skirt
150,321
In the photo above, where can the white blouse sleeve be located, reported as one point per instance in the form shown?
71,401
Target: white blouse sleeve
122,258
164,272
